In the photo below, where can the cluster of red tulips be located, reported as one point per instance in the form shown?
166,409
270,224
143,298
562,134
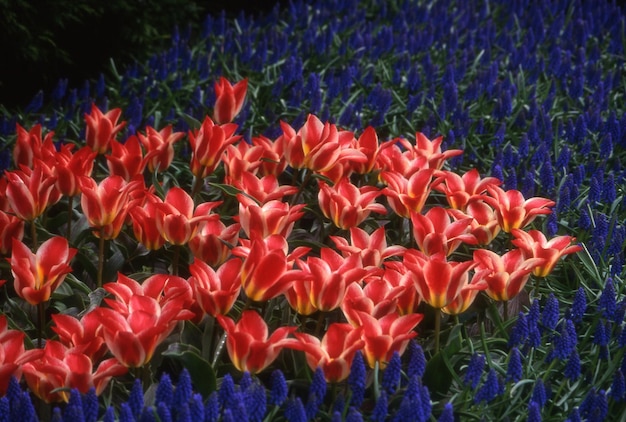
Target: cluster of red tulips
320,179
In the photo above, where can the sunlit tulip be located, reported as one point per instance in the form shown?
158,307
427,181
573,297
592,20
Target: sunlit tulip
127,159
144,223
215,291
406,195
461,190
299,297
240,158
37,275
58,370
10,227
249,345
437,280
372,248
106,205
229,99
513,211
434,232
177,220
82,335
385,335
334,353
484,225
159,147
431,149
377,298
535,245
330,276
399,156
30,191
12,354
267,270
347,205
30,146
467,296
368,144
208,145
397,275
505,275
272,158
273,217
70,167
263,189
101,128
214,241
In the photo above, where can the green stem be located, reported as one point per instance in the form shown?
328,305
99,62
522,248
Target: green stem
197,184
100,257
176,259
505,311
376,383
437,328
41,323
320,323
33,235
70,207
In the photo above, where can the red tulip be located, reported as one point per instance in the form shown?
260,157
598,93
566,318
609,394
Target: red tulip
369,146
399,156
435,233
484,225
208,145
505,275
177,220
438,281
159,147
127,159
29,147
386,335
229,99
144,223
249,347
239,159
273,217
30,192
431,150
334,353
372,248
407,195
59,370
467,296
70,167
82,336
462,190
263,189
272,158
513,211
106,205
346,205
535,245
216,291
10,227
102,128
12,354
397,275
378,298
299,297
38,275
214,241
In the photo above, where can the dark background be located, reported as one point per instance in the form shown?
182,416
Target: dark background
45,40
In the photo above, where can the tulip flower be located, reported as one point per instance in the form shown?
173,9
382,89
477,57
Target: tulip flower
484,225
239,159
273,217
330,276
127,159
102,128
298,296
377,298
70,167
12,354
535,245
208,145
106,205
505,275
215,291
462,190
37,275
513,211
159,147
144,223
334,353
30,191
247,342
432,150
267,270
83,336
399,156
385,335
272,157
467,296
214,241
29,147
263,189
372,248
229,99
368,144
435,233
406,195
10,227
397,275
346,205
177,220
53,375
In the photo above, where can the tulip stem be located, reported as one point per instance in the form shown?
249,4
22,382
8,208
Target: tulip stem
175,259
197,184
70,206
33,235
100,257
41,322
320,323
437,329
505,310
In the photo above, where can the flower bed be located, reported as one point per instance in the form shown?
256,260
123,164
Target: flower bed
328,254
